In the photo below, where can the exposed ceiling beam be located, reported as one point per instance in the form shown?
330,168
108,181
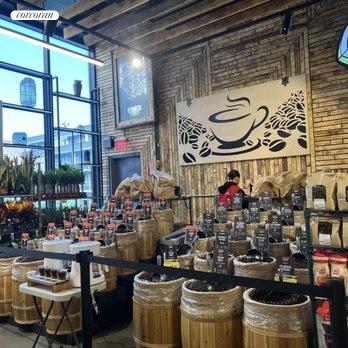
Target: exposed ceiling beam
79,7
131,20
235,10
33,2
104,15
251,17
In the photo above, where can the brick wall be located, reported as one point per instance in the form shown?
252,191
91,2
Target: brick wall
251,56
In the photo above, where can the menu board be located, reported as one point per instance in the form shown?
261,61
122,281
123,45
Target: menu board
275,227
297,199
163,205
239,228
237,202
171,251
265,200
190,235
288,214
208,224
254,212
261,241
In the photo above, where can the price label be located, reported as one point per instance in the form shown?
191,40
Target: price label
288,214
24,240
261,241
220,262
297,199
171,251
208,224
191,232
286,271
239,228
254,212
265,200
67,228
51,231
275,227
147,211
129,220
163,203
86,229
222,237
325,232
237,201
171,263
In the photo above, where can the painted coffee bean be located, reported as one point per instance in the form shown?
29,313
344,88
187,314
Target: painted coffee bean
195,146
196,131
265,142
277,145
184,138
292,124
193,138
299,106
267,134
276,124
205,152
188,158
302,141
249,142
283,133
268,125
302,128
205,144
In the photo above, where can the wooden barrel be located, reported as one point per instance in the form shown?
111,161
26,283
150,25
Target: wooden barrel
156,312
110,272
275,326
126,249
164,221
239,247
5,284
259,269
205,244
211,319
289,232
22,304
186,261
278,250
147,239
204,262
74,314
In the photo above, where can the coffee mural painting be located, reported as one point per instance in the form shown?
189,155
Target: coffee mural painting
262,121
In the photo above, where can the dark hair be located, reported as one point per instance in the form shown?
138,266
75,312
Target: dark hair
233,174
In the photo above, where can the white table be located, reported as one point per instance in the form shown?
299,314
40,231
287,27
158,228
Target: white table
61,297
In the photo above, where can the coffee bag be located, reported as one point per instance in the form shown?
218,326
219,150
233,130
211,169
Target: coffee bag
345,232
342,191
326,232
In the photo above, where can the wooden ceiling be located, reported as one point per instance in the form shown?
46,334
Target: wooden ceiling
156,26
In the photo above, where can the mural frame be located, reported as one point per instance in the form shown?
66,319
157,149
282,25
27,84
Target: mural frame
120,123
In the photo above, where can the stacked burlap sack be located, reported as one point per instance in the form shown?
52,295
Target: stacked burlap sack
164,185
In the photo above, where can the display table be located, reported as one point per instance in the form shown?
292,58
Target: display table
61,297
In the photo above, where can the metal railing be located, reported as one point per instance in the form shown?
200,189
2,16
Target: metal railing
335,292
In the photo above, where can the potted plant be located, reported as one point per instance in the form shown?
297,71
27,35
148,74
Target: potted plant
3,179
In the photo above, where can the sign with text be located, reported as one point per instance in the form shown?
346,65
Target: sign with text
261,241
297,198
239,228
254,212
288,214
237,201
265,200
275,227
129,220
191,232
171,251
208,224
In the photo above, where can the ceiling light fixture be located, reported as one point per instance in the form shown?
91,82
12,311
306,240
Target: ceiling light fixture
49,46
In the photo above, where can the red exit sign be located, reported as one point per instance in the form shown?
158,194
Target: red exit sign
122,145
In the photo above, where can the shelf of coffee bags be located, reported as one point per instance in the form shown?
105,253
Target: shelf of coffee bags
331,213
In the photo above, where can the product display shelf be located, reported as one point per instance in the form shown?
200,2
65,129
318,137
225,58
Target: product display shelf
308,213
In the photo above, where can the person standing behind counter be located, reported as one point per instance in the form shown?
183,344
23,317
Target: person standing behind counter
230,188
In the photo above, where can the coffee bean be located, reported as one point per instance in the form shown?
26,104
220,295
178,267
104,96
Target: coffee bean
205,152
210,137
302,140
283,133
292,124
195,146
184,138
268,125
302,128
300,106
193,138
273,118
276,124
189,158
267,134
266,142
205,144
277,145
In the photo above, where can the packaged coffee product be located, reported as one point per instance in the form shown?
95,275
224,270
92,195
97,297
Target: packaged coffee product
338,264
342,191
345,232
321,268
326,232
321,191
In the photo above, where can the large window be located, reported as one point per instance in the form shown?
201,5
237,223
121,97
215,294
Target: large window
40,111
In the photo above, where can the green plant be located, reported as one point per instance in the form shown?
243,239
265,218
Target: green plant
6,166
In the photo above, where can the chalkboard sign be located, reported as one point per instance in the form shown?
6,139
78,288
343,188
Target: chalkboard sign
265,200
163,203
146,198
147,211
222,234
254,212
288,214
261,241
171,251
237,202
239,228
220,262
208,224
134,88
129,219
221,214
286,270
191,232
297,199
275,227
